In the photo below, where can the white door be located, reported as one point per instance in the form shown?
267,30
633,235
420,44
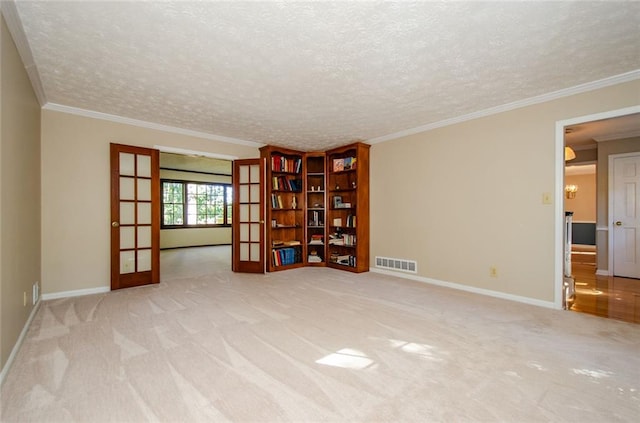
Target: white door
626,216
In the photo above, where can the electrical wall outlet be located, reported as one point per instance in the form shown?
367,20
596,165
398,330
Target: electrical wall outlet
493,271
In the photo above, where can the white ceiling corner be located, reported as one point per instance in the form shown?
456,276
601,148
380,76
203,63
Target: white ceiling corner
320,74
10,14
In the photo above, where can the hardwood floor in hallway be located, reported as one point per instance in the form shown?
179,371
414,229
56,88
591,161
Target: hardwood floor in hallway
606,296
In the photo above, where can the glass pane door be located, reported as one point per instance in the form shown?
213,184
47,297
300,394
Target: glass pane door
248,223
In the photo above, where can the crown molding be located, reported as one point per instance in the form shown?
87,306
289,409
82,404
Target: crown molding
14,24
589,86
194,153
149,125
619,136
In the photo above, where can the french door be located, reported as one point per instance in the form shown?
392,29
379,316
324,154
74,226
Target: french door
135,216
248,216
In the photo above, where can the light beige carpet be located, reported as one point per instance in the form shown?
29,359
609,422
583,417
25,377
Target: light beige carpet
313,345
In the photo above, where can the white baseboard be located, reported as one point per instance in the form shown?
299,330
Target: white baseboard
18,344
602,272
481,291
76,293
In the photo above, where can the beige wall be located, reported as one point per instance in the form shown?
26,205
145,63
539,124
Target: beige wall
175,238
19,194
75,193
585,156
462,198
605,149
583,205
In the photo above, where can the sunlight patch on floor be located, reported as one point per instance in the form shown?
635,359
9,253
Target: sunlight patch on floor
347,358
422,350
595,374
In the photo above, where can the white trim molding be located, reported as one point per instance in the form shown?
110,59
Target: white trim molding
76,293
559,185
619,136
472,289
602,272
185,152
19,342
578,89
149,125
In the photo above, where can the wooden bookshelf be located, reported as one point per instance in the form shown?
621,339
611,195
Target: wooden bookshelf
305,223
315,209
284,208
348,207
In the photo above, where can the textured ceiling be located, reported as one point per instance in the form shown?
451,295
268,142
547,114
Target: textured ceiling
316,75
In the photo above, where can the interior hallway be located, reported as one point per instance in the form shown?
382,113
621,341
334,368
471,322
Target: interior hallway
605,296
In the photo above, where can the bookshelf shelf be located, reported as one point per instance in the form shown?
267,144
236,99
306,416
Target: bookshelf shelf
315,211
348,183
284,185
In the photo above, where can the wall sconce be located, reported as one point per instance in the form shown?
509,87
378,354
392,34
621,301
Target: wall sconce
570,191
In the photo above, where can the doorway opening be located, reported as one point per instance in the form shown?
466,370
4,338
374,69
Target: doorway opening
583,188
196,213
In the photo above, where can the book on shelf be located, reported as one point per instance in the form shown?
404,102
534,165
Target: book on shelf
345,163
336,239
316,239
291,242
276,201
344,239
347,260
277,242
349,163
314,259
349,239
286,164
351,221
315,219
285,256
282,183
337,221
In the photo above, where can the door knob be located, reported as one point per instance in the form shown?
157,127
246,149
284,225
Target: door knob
115,224
618,223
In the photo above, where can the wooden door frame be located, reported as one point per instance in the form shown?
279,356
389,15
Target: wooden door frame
137,278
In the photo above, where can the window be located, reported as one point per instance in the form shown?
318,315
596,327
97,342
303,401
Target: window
195,204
